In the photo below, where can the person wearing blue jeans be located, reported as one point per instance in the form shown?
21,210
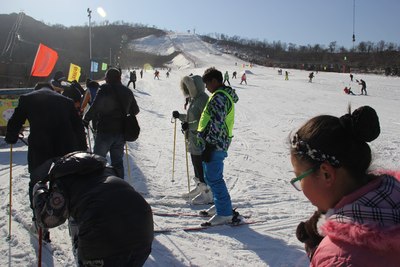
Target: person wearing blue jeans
113,143
215,134
213,172
113,101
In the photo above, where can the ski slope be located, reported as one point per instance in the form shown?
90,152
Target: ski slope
257,170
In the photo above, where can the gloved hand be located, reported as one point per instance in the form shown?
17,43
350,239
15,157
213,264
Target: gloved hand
307,233
10,140
175,114
207,152
185,126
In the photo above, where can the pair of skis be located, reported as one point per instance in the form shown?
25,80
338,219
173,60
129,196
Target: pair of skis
239,221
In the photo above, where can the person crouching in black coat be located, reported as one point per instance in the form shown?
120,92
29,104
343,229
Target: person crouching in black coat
114,223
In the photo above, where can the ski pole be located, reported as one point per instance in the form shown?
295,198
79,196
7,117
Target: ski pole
127,160
173,155
40,247
9,218
88,137
187,163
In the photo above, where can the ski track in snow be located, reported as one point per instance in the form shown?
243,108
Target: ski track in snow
257,170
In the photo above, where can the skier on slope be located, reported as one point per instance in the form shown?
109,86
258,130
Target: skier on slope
132,79
215,133
114,223
193,87
226,78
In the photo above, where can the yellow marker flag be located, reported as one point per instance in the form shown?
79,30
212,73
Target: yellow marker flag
74,72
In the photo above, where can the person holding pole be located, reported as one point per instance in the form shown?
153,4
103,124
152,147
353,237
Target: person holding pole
193,89
55,130
112,98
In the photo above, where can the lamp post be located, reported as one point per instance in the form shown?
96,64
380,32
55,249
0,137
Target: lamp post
90,42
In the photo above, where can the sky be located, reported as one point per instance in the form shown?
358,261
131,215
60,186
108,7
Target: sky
257,170
291,21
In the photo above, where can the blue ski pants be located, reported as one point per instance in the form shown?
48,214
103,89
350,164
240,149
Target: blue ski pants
213,174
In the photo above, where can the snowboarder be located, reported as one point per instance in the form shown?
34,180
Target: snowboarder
215,133
226,78
331,157
132,79
113,223
193,87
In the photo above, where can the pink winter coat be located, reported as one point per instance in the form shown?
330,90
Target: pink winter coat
363,230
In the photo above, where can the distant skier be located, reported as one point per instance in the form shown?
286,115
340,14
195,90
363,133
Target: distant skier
286,76
351,77
348,91
363,86
311,76
234,75
244,78
141,74
156,75
226,78
167,74
132,79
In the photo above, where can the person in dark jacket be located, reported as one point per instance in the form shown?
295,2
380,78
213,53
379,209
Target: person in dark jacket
114,222
132,79
113,101
55,129
363,87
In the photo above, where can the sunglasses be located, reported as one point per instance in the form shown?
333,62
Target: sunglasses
296,181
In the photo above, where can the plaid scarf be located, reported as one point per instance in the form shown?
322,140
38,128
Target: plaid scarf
380,206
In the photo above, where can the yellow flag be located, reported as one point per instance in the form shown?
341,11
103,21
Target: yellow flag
74,72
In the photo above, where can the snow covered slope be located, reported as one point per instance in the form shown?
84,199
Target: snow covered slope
257,170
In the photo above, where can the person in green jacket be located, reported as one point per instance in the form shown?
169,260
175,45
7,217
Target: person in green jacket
215,134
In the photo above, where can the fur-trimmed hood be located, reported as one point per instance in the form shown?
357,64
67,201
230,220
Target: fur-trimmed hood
192,86
364,229
373,237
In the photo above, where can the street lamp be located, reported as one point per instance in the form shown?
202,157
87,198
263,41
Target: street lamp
90,41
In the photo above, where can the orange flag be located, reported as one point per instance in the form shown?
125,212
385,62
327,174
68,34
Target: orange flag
44,62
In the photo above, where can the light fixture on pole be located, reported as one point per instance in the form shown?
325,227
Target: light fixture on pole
90,40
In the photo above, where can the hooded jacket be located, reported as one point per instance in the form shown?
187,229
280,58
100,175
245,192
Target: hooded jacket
112,217
364,227
193,87
217,118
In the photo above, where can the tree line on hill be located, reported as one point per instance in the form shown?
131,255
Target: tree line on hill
381,57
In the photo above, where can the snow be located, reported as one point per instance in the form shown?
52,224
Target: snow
257,170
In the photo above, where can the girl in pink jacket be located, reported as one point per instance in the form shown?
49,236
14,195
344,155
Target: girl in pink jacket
358,218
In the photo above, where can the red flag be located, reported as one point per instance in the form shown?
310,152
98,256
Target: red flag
44,62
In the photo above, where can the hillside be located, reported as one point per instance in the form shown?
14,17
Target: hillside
72,45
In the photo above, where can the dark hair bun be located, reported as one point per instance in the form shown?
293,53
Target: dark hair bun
365,124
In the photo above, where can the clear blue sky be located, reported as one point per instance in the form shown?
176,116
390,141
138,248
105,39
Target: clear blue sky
300,22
